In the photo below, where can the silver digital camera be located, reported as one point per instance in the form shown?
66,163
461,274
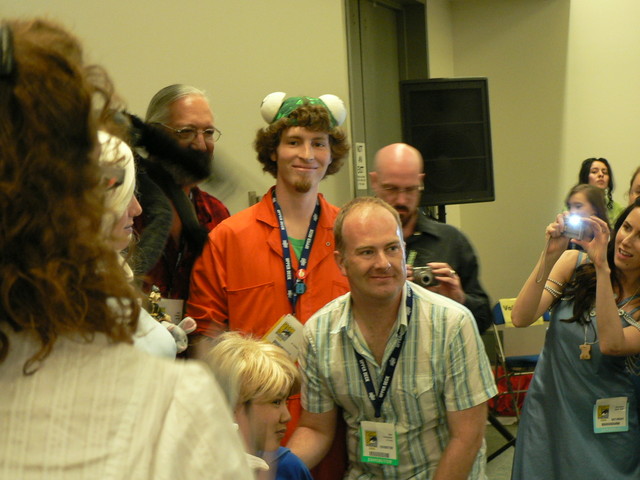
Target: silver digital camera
576,227
424,276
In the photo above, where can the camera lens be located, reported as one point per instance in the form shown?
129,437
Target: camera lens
426,278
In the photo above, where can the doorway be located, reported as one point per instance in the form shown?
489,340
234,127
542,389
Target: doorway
387,43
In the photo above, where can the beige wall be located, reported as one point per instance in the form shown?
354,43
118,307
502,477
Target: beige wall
602,103
520,45
563,77
238,51
562,84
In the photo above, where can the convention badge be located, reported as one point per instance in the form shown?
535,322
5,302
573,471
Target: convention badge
378,443
287,334
611,415
174,307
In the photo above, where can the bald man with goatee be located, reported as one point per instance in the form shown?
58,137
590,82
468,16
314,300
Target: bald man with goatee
398,180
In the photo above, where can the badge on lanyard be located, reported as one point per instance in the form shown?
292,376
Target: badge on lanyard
611,415
287,334
296,283
379,439
379,442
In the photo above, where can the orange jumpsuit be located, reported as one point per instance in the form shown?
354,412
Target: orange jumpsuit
238,283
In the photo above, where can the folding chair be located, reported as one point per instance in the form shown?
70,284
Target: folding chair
517,351
508,436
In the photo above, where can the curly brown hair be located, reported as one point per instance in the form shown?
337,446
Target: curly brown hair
58,275
313,117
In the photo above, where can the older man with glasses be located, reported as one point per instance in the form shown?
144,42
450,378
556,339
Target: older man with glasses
453,266
177,215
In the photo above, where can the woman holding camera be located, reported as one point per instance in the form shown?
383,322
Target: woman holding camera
580,418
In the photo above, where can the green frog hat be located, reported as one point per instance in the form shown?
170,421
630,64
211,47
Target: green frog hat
274,106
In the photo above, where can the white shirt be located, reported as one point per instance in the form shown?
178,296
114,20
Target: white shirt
108,411
153,337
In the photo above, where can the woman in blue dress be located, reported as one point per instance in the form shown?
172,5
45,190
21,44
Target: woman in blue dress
580,417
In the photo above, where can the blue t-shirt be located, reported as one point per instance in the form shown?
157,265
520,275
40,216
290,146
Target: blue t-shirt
288,466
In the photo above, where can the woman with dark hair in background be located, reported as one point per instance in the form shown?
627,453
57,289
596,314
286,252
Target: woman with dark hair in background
634,186
597,172
77,400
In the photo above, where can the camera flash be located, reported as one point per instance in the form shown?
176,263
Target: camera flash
575,220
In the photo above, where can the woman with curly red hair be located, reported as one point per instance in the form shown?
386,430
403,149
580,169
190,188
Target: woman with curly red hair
77,400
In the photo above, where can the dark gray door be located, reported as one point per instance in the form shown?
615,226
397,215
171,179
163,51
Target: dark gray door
387,43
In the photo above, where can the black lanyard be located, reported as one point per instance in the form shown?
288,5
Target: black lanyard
296,286
390,369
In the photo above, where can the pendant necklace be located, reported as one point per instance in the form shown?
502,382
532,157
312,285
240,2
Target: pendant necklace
585,348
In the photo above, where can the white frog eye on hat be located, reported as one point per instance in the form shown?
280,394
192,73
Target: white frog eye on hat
336,107
275,106
270,105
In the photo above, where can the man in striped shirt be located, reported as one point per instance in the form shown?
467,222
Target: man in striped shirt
406,365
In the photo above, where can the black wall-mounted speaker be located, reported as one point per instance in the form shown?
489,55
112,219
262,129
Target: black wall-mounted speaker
447,120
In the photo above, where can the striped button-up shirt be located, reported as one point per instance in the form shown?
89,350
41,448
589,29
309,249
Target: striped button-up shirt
442,367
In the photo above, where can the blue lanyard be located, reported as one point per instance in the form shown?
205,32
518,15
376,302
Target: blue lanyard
378,399
296,286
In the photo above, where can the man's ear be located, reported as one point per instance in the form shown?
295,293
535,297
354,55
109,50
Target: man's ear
339,258
373,178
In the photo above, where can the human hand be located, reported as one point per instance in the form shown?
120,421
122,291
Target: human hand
449,285
557,242
596,247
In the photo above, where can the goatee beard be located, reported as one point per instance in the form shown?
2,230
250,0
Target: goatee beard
404,213
302,186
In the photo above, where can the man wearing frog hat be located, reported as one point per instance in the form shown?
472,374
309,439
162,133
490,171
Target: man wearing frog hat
276,257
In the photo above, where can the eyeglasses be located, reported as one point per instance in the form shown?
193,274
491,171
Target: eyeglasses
190,133
394,190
